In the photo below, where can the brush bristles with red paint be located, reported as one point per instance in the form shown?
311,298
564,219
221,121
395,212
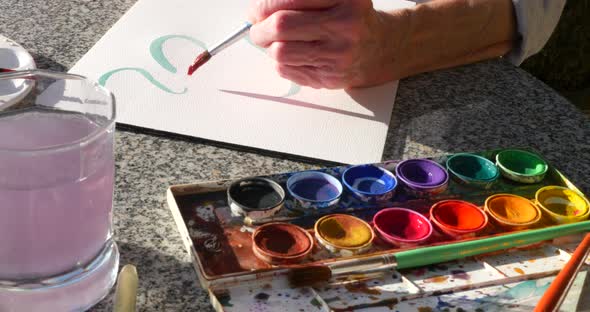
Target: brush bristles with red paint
205,56
6,70
199,61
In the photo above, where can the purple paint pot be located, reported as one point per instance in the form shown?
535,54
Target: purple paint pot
422,176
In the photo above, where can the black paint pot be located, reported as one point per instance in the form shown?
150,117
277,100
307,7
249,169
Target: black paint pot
255,198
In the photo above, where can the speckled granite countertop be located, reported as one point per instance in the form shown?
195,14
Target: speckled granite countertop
476,107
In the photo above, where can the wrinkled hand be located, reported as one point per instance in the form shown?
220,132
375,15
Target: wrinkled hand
323,43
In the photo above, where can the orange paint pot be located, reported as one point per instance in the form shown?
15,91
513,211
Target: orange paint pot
458,219
512,212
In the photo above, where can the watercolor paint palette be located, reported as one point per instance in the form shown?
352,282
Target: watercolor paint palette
220,243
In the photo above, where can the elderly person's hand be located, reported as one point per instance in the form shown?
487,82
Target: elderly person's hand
346,43
323,43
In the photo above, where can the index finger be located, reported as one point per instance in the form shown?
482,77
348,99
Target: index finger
261,9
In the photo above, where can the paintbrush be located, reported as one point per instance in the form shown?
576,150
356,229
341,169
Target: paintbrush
557,291
455,289
6,73
202,58
318,274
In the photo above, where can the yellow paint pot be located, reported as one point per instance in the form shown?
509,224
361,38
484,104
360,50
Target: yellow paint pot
563,205
512,212
343,234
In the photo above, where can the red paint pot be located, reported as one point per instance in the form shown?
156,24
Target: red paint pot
402,227
281,243
457,218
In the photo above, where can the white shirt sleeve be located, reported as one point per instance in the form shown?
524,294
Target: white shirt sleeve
536,20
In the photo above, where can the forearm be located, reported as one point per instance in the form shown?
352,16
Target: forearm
445,33
343,43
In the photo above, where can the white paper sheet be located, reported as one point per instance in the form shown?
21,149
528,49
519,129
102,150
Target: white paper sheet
236,97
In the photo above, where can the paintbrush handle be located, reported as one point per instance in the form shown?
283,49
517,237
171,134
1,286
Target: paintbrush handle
555,294
442,253
126,290
231,39
25,73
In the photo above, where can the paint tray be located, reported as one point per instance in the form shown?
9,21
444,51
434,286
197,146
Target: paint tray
221,251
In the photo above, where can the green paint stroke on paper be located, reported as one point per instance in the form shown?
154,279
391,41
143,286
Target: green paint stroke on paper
294,89
105,77
157,50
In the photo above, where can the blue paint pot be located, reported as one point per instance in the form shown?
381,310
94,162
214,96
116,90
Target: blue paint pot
369,183
314,191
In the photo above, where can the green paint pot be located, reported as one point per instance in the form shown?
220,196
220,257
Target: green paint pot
521,166
473,170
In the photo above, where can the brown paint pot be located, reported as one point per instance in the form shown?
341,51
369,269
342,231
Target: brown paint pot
281,243
343,234
458,219
512,212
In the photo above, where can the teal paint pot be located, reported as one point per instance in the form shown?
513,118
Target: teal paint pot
473,170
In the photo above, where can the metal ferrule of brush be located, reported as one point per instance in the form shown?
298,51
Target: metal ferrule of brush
237,35
363,265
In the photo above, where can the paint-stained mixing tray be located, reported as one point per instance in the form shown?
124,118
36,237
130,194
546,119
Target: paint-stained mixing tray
242,273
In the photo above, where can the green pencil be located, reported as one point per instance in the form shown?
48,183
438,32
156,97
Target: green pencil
311,275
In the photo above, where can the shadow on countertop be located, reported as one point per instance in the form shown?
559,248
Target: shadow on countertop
44,62
485,108
165,283
564,62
